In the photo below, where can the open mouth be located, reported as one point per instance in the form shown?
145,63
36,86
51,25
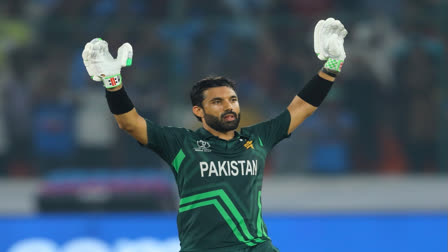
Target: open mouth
229,117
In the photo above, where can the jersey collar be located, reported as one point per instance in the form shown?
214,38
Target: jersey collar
206,134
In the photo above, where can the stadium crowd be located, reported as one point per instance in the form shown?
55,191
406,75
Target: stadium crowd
387,113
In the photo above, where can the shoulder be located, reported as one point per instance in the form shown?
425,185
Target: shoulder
270,132
283,118
152,124
250,131
156,132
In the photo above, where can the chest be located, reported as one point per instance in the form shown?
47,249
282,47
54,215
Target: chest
211,161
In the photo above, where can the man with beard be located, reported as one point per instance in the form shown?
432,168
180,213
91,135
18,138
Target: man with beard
218,170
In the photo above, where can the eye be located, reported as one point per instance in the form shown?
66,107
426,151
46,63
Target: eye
216,101
234,99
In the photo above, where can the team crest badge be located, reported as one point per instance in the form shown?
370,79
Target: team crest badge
203,146
249,144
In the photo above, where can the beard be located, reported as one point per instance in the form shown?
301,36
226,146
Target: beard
219,124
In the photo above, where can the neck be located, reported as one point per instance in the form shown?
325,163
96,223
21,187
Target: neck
223,135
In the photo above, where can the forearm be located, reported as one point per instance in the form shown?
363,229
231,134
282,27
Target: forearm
122,108
128,121
299,111
309,98
326,76
126,115
115,88
315,91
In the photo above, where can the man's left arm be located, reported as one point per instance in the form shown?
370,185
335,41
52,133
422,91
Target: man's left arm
300,109
329,37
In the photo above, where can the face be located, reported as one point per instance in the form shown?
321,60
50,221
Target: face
221,110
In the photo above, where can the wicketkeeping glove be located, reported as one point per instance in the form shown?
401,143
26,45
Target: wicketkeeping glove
329,43
100,64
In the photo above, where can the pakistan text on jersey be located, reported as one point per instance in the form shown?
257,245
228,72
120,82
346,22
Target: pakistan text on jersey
229,168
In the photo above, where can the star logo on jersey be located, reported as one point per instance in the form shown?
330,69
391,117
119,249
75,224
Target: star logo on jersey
249,144
203,146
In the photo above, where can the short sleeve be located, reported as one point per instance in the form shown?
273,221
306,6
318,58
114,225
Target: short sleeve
273,131
165,141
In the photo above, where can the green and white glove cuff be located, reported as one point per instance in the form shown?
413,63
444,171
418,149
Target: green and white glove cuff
112,81
334,65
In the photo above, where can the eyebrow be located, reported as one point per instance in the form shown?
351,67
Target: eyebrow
220,98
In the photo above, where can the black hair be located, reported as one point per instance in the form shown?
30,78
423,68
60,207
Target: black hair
197,92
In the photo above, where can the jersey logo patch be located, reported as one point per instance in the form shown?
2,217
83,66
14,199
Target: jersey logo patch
249,144
203,146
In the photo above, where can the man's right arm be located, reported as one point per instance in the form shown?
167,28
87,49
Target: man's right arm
102,67
132,122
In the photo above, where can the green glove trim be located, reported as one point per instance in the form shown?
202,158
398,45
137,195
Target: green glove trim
334,65
129,62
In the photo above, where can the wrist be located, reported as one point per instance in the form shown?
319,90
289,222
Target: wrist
315,90
333,66
119,102
112,81
325,74
114,89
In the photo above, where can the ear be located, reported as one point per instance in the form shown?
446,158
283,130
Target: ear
198,111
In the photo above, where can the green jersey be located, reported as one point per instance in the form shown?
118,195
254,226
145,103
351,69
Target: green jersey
219,182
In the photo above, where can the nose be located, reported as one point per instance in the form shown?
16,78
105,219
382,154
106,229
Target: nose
228,106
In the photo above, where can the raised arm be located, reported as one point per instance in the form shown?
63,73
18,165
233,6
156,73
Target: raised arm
329,46
301,109
102,67
131,121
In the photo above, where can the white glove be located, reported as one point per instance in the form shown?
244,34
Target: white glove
329,43
100,64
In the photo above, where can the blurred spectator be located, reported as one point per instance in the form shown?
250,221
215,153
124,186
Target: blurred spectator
331,131
94,129
418,109
364,98
17,99
53,113
383,116
373,43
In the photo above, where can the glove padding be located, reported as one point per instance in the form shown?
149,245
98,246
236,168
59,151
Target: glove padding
100,64
329,37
